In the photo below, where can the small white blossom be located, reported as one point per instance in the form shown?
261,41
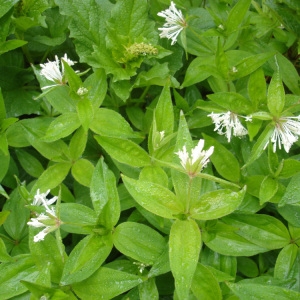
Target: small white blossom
234,70
82,91
286,132
174,24
54,71
49,220
229,122
194,163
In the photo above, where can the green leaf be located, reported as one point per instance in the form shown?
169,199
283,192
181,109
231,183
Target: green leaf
287,259
184,249
290,168
262,230
164,112
124,151
154,197
62,126
205,285
52,176
216,204
97,86
10,45
257,88
47,252
224,161
4,256
86,257
139,242
4,161
72,78
77,218
110,282
232,101
6,5
16,223
276,95
237,15
250,64
88,25
268,189
110,123
291,195
29,163
82,170
78,143
148,290
290,213
11,274
247,291
105,196
247,267
85,113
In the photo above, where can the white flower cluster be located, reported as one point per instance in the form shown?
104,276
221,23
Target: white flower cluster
228,123
48,220
54,71
174,24
194,163
286,132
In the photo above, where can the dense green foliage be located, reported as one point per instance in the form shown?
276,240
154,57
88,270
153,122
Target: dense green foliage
107,111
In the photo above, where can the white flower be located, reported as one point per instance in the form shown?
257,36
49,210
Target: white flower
49,220
198,159
54,71
229,122
82,91
175,22
286,132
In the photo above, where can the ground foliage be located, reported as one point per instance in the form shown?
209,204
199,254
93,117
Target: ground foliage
131,220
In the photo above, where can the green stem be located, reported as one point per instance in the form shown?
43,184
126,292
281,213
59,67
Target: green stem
188,201
145,92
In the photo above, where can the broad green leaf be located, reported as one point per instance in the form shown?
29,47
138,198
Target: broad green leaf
85,112
154,174
77,218
216,204
110,282
2,107
205,285
62,126
88,25
184,249
290,213
72,78
11,274
52,176
262,230
29,163
257,88
164,112
291,195
139,242
124,151
97,86
82,170
47,252
290,168
11,45
148,290
230,243
247,267
4,162
86,257
285,261
4,256
4,214
224,161
260,144
154,197
248,291
268,189
221,61
237,15
6,5
78,143
250,64
276,95
232,101
161,265
16,222
111,124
